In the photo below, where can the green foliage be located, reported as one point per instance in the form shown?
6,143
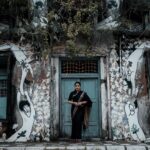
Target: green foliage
70,19
71,46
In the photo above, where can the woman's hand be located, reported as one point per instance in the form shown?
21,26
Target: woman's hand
77,103
80,103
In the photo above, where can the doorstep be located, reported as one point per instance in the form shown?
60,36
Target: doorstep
107,145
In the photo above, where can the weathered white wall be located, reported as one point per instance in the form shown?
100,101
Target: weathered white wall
41,101
55,97
104,97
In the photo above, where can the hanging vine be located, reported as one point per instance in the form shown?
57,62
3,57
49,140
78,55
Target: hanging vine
70,21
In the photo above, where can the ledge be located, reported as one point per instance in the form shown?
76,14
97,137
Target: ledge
74,146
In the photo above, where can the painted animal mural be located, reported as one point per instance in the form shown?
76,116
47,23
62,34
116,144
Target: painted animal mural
124,91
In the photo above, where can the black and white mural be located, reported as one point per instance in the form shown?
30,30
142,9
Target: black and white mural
125,76
32,100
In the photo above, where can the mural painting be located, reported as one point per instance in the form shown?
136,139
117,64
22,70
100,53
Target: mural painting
113,13
32,99
40,10
125,89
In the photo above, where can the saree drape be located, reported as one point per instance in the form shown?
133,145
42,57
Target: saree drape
80,119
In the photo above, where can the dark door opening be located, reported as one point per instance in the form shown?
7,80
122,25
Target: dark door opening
87,72
7,92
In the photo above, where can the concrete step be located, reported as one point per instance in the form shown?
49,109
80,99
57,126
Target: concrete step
73,146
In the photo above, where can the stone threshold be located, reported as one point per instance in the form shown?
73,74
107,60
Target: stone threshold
74,146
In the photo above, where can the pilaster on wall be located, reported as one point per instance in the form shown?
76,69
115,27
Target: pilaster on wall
104,99
54,101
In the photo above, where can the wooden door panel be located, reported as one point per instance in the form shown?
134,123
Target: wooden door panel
67,87
91,87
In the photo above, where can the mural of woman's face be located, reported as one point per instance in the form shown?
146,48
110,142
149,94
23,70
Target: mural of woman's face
27,110
25,107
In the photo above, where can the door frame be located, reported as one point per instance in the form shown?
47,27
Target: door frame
81,75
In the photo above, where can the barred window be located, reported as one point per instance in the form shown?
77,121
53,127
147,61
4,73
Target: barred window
79,66
3,88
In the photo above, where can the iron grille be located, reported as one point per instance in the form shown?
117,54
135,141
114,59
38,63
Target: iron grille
79,66
3,88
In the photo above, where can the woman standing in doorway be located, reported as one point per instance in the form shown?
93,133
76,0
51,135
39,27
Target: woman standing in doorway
80,101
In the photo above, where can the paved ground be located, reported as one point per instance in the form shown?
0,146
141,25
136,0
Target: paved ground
75,146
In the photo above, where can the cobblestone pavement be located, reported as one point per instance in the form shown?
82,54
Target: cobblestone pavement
75,146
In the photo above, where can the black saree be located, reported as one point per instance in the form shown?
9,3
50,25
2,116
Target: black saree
78,118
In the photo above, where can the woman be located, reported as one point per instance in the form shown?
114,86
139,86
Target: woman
79,100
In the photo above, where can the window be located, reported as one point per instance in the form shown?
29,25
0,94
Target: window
4,59
79,66
3,87
3,95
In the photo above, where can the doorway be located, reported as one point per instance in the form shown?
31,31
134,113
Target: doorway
87,73
7,92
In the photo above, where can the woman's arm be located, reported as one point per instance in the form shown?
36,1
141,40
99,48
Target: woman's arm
82,103
71,102
77,103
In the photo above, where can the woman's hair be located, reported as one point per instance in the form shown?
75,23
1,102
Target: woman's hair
77,82
22,104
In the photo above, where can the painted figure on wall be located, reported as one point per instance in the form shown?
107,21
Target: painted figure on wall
27,113
32,109
136,131
126,87
113,13
79,101
24,103
40,11
25,107
136,59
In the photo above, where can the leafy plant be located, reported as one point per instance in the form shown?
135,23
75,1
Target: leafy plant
70,20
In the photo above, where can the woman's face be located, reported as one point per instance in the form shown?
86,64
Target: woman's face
77,87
